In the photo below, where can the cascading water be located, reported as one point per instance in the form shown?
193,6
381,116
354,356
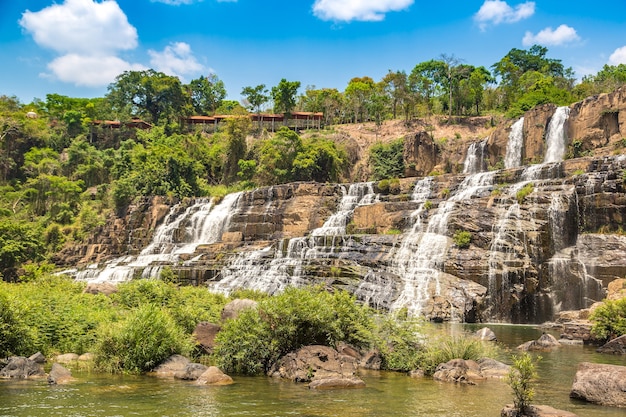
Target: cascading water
203,223
556,137
513,157
271,270
475,158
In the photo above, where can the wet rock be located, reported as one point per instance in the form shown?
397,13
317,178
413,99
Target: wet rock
19,367
600,384
233,308
205,334
544,343
38,357
59,375
371,360
491,368
536,411
616,346
67,358
214,376
172,365
313,363
337,383
417,373
191,372
458,371
486,334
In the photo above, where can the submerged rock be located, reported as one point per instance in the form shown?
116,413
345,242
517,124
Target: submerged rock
616,346
536,411
600,384
544,343
214,376
20,367
172,365
59,375
191,372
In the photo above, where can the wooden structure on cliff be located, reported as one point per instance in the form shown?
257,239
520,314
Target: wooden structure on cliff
271,122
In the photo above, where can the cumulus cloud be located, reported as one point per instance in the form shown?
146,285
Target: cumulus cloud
618,56
179,2
498,11
362,10
176,59
559,36
90,70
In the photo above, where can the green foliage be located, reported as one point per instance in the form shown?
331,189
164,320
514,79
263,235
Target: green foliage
442,350
284,96
207,94
13,332
521,380
398,339
19,242
524,192
462,239
276,157
141,341
609,319
387,160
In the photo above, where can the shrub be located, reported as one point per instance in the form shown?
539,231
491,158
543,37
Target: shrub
524,192
609,319
394,186
13,333
399,341
445,349
462,239
142,341
520,379
428,205
387,159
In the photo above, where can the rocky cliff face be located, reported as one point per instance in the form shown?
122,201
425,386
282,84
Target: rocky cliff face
514,245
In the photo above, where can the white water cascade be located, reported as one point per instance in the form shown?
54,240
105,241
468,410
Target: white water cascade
556,136
475,158
203,223
513,157
271,270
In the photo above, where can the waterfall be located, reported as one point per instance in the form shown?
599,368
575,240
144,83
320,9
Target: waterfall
420,258
556,136
475,158
514,146
271,269
572,286
203,223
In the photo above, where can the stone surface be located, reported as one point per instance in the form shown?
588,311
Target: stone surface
536,411
171,366
336,383
191,372
38,357
87,357
486,334
616,346
491,368
66,358
458,371
59,375
544,343
214,376
205,334
19,367
233,308
600,384
105,288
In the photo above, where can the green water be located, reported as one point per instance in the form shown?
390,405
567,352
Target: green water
386,394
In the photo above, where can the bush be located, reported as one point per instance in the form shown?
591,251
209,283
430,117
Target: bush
399,341
524,192
445,349
609,319
520,379
142,341
387,159
462,239
13,333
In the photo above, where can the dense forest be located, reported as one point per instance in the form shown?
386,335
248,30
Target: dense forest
62,171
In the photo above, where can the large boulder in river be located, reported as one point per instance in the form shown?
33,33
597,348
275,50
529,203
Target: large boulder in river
486,334
59,375
192,372
544,343
316,363
469,372
600,384
232,309
171,366
20,367
616,346
214,376
535,411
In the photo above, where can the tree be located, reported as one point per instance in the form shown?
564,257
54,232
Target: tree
426,81
256,97
326,100
521,380
475,86
284,96
236,131
149,94
276,156
396,87
357,94
207,94
19,242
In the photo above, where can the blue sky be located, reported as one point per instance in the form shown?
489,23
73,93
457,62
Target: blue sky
77,47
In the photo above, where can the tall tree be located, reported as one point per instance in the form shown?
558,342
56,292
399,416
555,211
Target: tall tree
149,94
357,94
395,85
284,96
207,94
255,97
426,81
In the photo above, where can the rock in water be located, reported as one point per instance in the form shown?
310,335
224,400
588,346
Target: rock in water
214,376
600,384
616,346
20,367
59,375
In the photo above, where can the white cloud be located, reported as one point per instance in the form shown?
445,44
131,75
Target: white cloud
561,35
498,11
618,56
179,2
81,26
176,59
90,70
363,10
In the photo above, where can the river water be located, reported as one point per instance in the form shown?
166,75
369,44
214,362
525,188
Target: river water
386,394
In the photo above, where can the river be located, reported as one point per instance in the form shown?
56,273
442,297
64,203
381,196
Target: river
386,394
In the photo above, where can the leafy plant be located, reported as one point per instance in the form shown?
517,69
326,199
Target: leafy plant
387,159
462,239
442,350
609,319
524,192
521,379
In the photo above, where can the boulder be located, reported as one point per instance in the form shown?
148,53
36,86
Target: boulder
459,371
491,368
544,343
535,411
371,360
172,365
600,384
314,363
486,334
205,334
336,383
214,376
232,309
105,288
616,289
59,375
38,357
87,357
616,346
20,367
192,372
66,358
